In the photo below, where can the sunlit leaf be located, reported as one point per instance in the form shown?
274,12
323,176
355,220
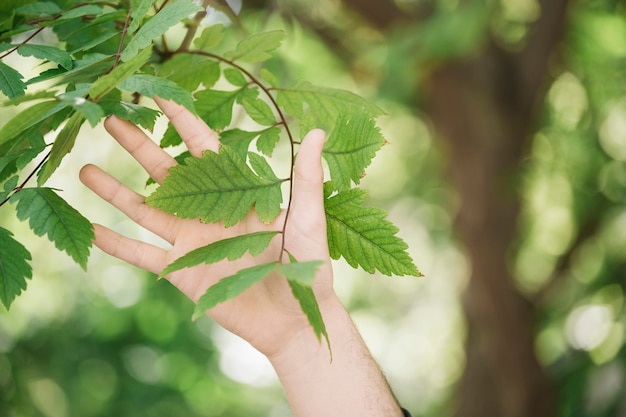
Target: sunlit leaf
268,203
257,47
325,103
267,141
49,214
231,249
235,77
351,147
216,187
231,286
158,24
210,37
189,71
14,267
216,107
151,86
238,139
363,236
63,144
11,83
259,111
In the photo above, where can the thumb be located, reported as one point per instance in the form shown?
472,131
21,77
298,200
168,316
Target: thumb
308,187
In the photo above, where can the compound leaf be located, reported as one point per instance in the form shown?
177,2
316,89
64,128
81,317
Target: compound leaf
14,267
267,203
11,83
231,286
350,148
189,71
257,47
151,86
238,139
363,236
49,214
158,24
231,249
216,187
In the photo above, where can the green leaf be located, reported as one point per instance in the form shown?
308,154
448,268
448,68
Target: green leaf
210,37
28,118
238,139
257,47
268,203
267,141
216,187
88,109
363,236
235,77
49,53
231,286
49,214
80,11
39,9
216,107
151,86
139,115
14,268
11,83
139,10
9,187
270,78
109,81
259,111
231,249
63,144
306,297
158,24
302,273
325,103
351,147
189,71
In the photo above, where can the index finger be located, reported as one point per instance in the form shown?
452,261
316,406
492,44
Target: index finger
193,131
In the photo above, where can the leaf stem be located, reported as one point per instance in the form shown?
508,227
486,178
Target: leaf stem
32,173
192,28
118,54
282,121
24,42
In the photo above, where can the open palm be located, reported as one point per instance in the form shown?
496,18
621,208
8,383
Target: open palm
267,315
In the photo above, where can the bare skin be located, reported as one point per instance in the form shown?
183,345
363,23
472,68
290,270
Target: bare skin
266,315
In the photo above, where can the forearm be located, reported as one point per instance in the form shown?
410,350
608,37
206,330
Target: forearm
350,385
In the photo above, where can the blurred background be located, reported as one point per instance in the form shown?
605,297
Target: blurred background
505,172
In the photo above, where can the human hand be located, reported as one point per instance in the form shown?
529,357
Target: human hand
266,315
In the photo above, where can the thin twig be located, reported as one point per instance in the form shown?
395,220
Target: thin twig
21,186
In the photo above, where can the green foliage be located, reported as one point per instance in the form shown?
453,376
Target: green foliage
112,57
362,236
14,268
49,214
231,249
